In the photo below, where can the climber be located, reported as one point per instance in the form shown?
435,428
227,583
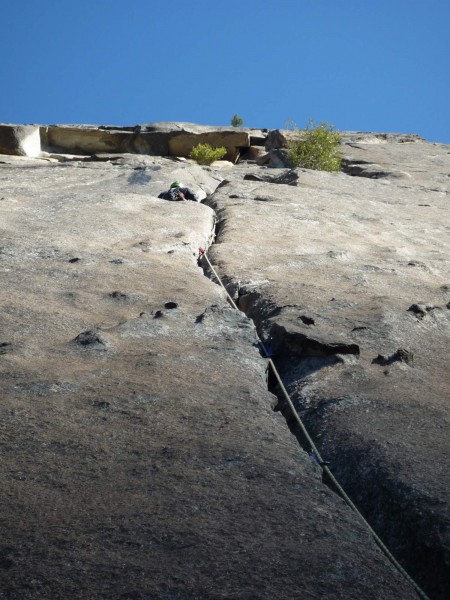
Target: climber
178,192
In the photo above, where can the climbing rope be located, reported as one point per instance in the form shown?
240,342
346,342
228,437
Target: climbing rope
315,452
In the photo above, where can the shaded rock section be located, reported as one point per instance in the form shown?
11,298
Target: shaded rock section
156,469
341,259
157,139
91,339
20,140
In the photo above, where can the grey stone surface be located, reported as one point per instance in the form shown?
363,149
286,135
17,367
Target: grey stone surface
367,366
141,457
415,165
279,138
350,279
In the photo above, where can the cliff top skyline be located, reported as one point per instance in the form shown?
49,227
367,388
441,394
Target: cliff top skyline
362,66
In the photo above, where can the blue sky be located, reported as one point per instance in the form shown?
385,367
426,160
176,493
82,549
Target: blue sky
363,65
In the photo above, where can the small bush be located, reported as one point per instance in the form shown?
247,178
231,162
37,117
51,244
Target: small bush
204,154
237,121
317,147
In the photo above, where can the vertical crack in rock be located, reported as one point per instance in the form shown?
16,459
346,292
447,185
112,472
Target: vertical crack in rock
169,421
396,510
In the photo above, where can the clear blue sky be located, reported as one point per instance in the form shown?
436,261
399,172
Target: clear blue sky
366,65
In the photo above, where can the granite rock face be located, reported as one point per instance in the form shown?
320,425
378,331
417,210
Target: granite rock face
20,140
138,432
154,139
348,278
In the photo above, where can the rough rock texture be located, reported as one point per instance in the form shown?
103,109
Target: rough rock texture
141,456
84,139
350,279
20,140
181,145
415,166
157,139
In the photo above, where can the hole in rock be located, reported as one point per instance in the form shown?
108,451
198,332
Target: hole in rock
170,305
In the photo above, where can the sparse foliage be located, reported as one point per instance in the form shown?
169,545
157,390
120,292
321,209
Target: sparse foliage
237,121
290,124
204,154
316,147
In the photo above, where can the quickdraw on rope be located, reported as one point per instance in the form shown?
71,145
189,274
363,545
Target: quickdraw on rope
314,452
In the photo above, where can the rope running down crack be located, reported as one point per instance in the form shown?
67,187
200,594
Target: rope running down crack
321,462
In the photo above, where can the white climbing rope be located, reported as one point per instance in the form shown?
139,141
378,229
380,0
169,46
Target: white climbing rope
316,452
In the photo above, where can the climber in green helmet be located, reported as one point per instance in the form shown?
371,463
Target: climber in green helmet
178,191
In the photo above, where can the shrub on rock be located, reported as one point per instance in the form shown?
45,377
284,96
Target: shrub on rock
316,147
237,121
204,154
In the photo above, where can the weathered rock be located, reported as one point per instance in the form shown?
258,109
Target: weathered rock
253,153
421,309
379,138
6,347
417,164
286,177
157,139
157,468
279,138
182,137
295,339
20,140
277,158
373,171
401,355
351,255
182,144
91,339
85,139
258,137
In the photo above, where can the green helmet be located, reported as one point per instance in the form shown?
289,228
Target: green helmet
175,184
